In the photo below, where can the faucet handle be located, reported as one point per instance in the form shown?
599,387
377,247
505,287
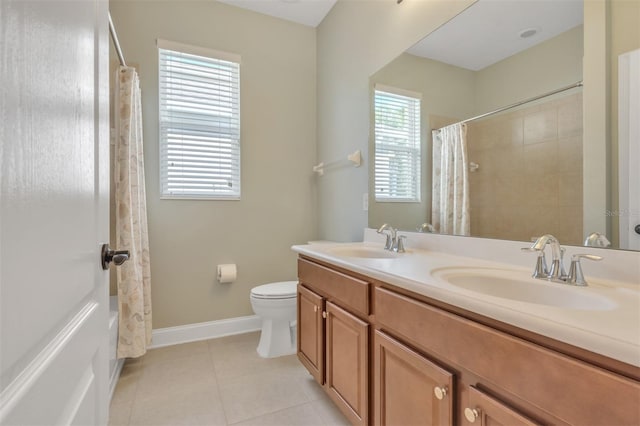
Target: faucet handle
400,243
586,256
576,277
541,271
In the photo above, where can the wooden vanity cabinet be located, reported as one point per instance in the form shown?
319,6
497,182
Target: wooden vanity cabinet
333,336
525,382
389,357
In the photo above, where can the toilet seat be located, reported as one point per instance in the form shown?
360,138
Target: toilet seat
280,290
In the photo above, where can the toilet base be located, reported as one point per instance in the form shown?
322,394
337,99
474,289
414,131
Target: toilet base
276,339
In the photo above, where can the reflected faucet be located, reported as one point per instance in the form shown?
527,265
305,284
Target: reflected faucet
426,227
596,239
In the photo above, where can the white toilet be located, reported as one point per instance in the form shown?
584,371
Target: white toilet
276,305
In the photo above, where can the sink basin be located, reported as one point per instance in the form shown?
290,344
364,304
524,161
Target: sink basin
507,284
363,252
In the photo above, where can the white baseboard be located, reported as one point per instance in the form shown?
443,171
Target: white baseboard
205,330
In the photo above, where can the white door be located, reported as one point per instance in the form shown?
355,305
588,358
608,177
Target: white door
629,149
53,212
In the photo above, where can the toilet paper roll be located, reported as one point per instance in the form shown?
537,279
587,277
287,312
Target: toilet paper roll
227,273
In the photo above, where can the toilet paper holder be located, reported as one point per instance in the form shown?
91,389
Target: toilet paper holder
227,273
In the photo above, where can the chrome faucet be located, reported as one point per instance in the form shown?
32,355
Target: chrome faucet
557,272
391,236
394,241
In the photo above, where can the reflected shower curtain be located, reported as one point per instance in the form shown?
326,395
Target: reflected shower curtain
133,277
450,195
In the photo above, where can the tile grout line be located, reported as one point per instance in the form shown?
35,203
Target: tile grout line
213,366
310,403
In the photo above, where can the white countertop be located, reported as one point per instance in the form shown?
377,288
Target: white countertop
612,330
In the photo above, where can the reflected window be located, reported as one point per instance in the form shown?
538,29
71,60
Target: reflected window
397,145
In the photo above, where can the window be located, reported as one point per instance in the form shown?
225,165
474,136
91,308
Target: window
199,119
397,145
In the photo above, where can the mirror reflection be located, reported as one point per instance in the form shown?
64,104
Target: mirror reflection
490,163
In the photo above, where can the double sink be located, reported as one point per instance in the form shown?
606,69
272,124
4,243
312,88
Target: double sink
503,283
603,317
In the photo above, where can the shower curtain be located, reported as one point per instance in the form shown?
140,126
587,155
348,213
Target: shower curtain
450,199
133,277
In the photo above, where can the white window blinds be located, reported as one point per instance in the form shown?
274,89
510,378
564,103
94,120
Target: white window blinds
199,123
397,146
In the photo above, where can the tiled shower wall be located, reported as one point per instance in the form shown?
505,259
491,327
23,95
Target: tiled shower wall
529,181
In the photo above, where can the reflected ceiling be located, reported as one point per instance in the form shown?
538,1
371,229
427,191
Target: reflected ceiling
490,31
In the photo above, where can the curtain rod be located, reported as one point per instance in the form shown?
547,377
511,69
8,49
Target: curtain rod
116,43
517,104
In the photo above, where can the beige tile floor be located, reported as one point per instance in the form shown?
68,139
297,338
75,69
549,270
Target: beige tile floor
219,382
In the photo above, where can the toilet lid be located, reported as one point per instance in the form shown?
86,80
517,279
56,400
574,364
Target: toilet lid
281,290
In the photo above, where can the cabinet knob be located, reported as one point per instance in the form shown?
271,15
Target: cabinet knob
471,414
440,392
324,314
315,309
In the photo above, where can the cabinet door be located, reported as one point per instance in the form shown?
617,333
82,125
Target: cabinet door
409,389
347,363
311,332
484,410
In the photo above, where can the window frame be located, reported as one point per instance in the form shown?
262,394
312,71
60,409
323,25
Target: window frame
212,55
415,151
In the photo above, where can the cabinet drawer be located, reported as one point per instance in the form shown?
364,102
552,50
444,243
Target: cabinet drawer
485,410
347,291
570,390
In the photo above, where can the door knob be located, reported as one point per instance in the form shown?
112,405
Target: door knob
637,229
118,257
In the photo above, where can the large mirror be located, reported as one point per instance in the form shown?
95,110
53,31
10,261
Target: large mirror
529,166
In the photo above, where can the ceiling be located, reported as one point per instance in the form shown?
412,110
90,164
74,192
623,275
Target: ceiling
305,12
488,31
483,34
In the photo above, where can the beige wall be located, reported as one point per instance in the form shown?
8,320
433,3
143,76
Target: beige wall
596,96
189,238
355,40
624,25
611,28
547,66
530,178
446,90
